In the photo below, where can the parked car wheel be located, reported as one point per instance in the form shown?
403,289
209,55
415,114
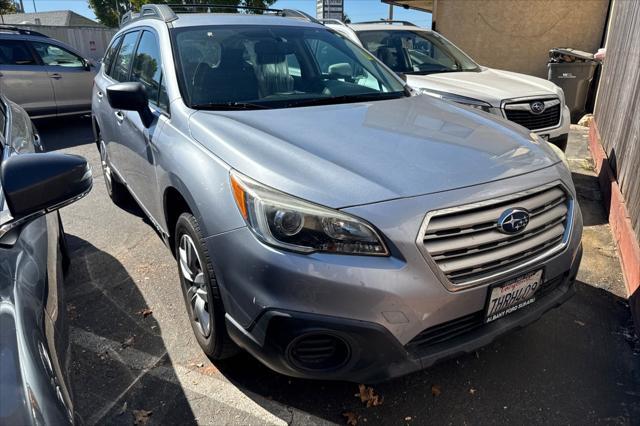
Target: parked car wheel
200,290
116,189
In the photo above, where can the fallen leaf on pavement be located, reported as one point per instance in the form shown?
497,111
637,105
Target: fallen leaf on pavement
123,409
580,323
407,419
473,391
141,417
435,390
368,395
351,417
127,342
145,312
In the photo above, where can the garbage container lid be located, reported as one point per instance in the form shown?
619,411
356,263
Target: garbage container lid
567,51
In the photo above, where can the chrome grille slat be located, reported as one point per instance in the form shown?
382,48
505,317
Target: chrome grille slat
466,220
486,270
486,257
475,240
466,245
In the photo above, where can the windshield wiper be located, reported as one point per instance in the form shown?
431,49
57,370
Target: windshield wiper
346,99
228,106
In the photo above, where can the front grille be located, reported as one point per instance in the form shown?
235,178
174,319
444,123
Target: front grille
550,117
466,245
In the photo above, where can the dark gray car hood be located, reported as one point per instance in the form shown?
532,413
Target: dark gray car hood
350,154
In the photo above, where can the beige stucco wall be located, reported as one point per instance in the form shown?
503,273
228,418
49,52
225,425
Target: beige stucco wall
516,35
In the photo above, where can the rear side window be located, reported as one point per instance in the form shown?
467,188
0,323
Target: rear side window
111,53
15,52
122,63
147,66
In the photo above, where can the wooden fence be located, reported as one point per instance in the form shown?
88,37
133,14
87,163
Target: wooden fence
617,109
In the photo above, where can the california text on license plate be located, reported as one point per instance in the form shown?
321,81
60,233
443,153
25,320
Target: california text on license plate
513,295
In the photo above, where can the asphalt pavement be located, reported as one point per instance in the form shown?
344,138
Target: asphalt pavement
134,357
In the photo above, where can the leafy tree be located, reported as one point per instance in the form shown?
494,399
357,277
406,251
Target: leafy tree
7,6
109,12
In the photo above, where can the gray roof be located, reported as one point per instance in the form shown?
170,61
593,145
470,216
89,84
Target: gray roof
57,18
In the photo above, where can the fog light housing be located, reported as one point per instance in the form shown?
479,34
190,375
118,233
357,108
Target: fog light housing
319,352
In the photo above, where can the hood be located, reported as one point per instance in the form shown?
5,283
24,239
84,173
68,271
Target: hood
488,85
351,154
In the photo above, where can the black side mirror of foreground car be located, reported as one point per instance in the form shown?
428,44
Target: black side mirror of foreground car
131,96
36,184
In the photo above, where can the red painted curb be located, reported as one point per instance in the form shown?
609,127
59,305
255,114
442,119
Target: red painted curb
628,247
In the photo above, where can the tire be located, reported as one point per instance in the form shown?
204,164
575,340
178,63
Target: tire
115,189
200,290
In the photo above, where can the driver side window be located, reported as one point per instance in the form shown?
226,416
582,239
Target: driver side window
56,55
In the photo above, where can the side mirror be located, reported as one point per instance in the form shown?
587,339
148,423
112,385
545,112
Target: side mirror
36,184
88,63
131,96
341,70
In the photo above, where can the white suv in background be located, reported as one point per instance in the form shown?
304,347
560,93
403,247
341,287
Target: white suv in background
435,66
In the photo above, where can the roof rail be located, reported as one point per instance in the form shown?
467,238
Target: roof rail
209,7
294,13
161,12
167,12
386,21
332,21
23,31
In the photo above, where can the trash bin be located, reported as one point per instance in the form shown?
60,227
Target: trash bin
572,70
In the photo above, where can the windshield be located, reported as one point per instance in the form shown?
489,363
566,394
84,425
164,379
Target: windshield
416,52
254,67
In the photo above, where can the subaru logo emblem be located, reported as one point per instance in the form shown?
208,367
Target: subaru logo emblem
513,220
537,107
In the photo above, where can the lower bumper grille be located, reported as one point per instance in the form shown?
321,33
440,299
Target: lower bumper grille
458,327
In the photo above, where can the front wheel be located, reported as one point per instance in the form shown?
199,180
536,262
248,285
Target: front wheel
200,290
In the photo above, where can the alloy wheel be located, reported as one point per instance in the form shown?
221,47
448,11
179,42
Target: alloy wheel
197,289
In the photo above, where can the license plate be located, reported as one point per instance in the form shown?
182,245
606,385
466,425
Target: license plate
513,295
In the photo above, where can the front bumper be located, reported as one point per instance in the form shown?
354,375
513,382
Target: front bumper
379,304
375,354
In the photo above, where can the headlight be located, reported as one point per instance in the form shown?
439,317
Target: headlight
473,103
290,223
541,141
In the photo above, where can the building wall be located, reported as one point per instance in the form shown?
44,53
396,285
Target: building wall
89,41
516,35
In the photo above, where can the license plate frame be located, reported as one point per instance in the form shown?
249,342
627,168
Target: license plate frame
527,284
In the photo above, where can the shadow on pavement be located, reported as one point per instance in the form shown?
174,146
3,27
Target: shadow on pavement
572,366
118,355
64,132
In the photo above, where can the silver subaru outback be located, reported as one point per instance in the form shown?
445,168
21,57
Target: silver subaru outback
324,217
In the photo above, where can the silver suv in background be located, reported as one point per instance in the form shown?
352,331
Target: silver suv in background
323,217
436,67
43,75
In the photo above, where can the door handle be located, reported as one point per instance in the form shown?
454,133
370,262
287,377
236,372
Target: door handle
56,75
119,116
